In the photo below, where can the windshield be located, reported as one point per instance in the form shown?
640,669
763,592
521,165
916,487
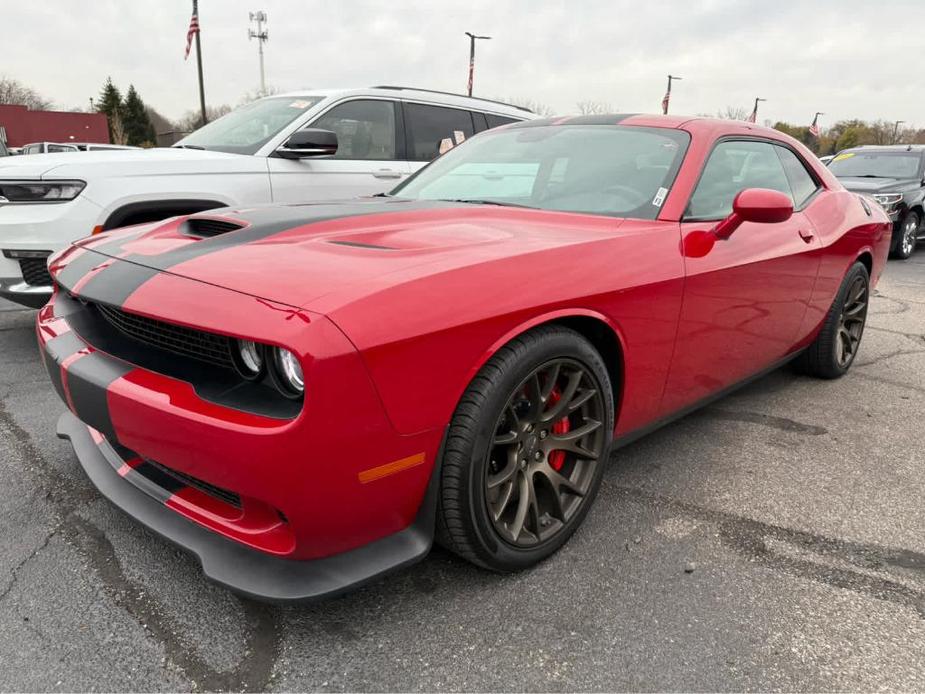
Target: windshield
612,170
247,129
876,164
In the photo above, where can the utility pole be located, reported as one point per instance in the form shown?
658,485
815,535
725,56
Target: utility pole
671,78
896,129
202,93
472,39
262,36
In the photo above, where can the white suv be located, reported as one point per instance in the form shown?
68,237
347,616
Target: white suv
298,147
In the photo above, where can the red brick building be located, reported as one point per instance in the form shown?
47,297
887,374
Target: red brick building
23,126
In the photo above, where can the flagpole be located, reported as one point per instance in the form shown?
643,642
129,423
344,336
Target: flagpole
202,94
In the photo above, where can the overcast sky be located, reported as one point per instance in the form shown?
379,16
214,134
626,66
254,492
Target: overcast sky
848,58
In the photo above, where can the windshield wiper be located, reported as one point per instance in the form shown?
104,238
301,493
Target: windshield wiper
499,203
186,147
869,176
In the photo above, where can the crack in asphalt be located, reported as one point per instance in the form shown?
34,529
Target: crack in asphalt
915,337
888,381
263,642
781,423
752,539
14,572
889,355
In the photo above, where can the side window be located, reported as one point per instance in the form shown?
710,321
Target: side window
365,129
802,183
732,167
478,119
494,121
428,126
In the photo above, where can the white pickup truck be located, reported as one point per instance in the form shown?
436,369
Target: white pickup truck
298,147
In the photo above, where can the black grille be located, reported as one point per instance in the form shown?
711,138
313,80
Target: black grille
206,227
188,342
35,271
227,496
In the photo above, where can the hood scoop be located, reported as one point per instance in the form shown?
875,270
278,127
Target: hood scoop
207,227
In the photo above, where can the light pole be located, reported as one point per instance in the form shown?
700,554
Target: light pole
671,78
472,39
262,36
896,129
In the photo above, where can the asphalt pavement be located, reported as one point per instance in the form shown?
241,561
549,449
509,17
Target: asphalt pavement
773,541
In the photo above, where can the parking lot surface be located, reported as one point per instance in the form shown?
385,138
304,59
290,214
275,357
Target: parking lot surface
775,540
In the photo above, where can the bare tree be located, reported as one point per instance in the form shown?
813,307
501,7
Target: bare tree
592,108
119,136
255,94
734,113
192,120
14,92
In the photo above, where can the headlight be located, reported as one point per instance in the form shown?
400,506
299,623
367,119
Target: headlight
248,359
888,199
39,191
287,372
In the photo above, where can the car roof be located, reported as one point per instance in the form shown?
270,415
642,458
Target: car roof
692,123
886,148
418,94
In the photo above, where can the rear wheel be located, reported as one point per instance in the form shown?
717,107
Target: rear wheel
908,236
525,451
834,349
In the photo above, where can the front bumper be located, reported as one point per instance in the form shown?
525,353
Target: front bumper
235,566
17,290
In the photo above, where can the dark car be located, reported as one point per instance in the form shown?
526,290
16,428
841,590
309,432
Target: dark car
894,176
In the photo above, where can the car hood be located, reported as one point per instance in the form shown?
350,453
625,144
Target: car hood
879,185
323,256
128,162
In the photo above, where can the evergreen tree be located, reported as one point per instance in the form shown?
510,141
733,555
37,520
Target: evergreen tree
110,103
138,127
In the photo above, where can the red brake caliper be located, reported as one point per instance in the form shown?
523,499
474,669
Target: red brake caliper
557,458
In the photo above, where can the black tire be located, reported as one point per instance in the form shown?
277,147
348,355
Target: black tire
906,237
825,357
464,523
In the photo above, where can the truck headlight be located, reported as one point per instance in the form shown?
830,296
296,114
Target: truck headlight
18,192
888,199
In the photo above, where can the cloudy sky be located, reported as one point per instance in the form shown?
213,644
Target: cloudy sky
848,58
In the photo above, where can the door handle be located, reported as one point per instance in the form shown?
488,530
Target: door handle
386,173
806,235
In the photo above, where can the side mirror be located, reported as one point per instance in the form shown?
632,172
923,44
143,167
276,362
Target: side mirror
310,142
758,205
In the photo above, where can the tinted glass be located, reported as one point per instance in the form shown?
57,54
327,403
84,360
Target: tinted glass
613,170
876,164
247,129
479,121
428,126
494,121
365,129
802,183
731,168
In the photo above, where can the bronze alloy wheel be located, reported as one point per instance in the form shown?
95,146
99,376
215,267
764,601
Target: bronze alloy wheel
851,321
545,451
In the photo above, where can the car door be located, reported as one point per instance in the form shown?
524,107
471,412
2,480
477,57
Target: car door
430,129
367,161
745,297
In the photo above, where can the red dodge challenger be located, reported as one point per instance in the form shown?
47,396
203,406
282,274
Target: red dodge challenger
306,396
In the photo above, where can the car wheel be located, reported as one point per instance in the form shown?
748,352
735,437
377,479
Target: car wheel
908,236
834,349
526,450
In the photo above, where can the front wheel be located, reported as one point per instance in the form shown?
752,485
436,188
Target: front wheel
908,236
835,347
525,451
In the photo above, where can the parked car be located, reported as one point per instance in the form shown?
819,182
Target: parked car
894,176
825,159
303,395
47,148
263,152
100,147
4,152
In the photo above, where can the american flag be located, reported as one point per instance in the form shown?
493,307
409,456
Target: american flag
814,127
665,102
190,33
754,115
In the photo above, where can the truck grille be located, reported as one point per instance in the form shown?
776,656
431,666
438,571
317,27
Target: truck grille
35,271
188,342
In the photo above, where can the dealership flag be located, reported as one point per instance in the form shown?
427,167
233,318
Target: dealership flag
665,102
814,128
190,33
754,115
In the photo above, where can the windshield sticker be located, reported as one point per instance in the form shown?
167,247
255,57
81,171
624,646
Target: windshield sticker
660,197
846,155
459,136
300,104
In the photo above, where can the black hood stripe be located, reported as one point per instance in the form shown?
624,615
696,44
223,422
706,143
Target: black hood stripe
71,273
116,283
